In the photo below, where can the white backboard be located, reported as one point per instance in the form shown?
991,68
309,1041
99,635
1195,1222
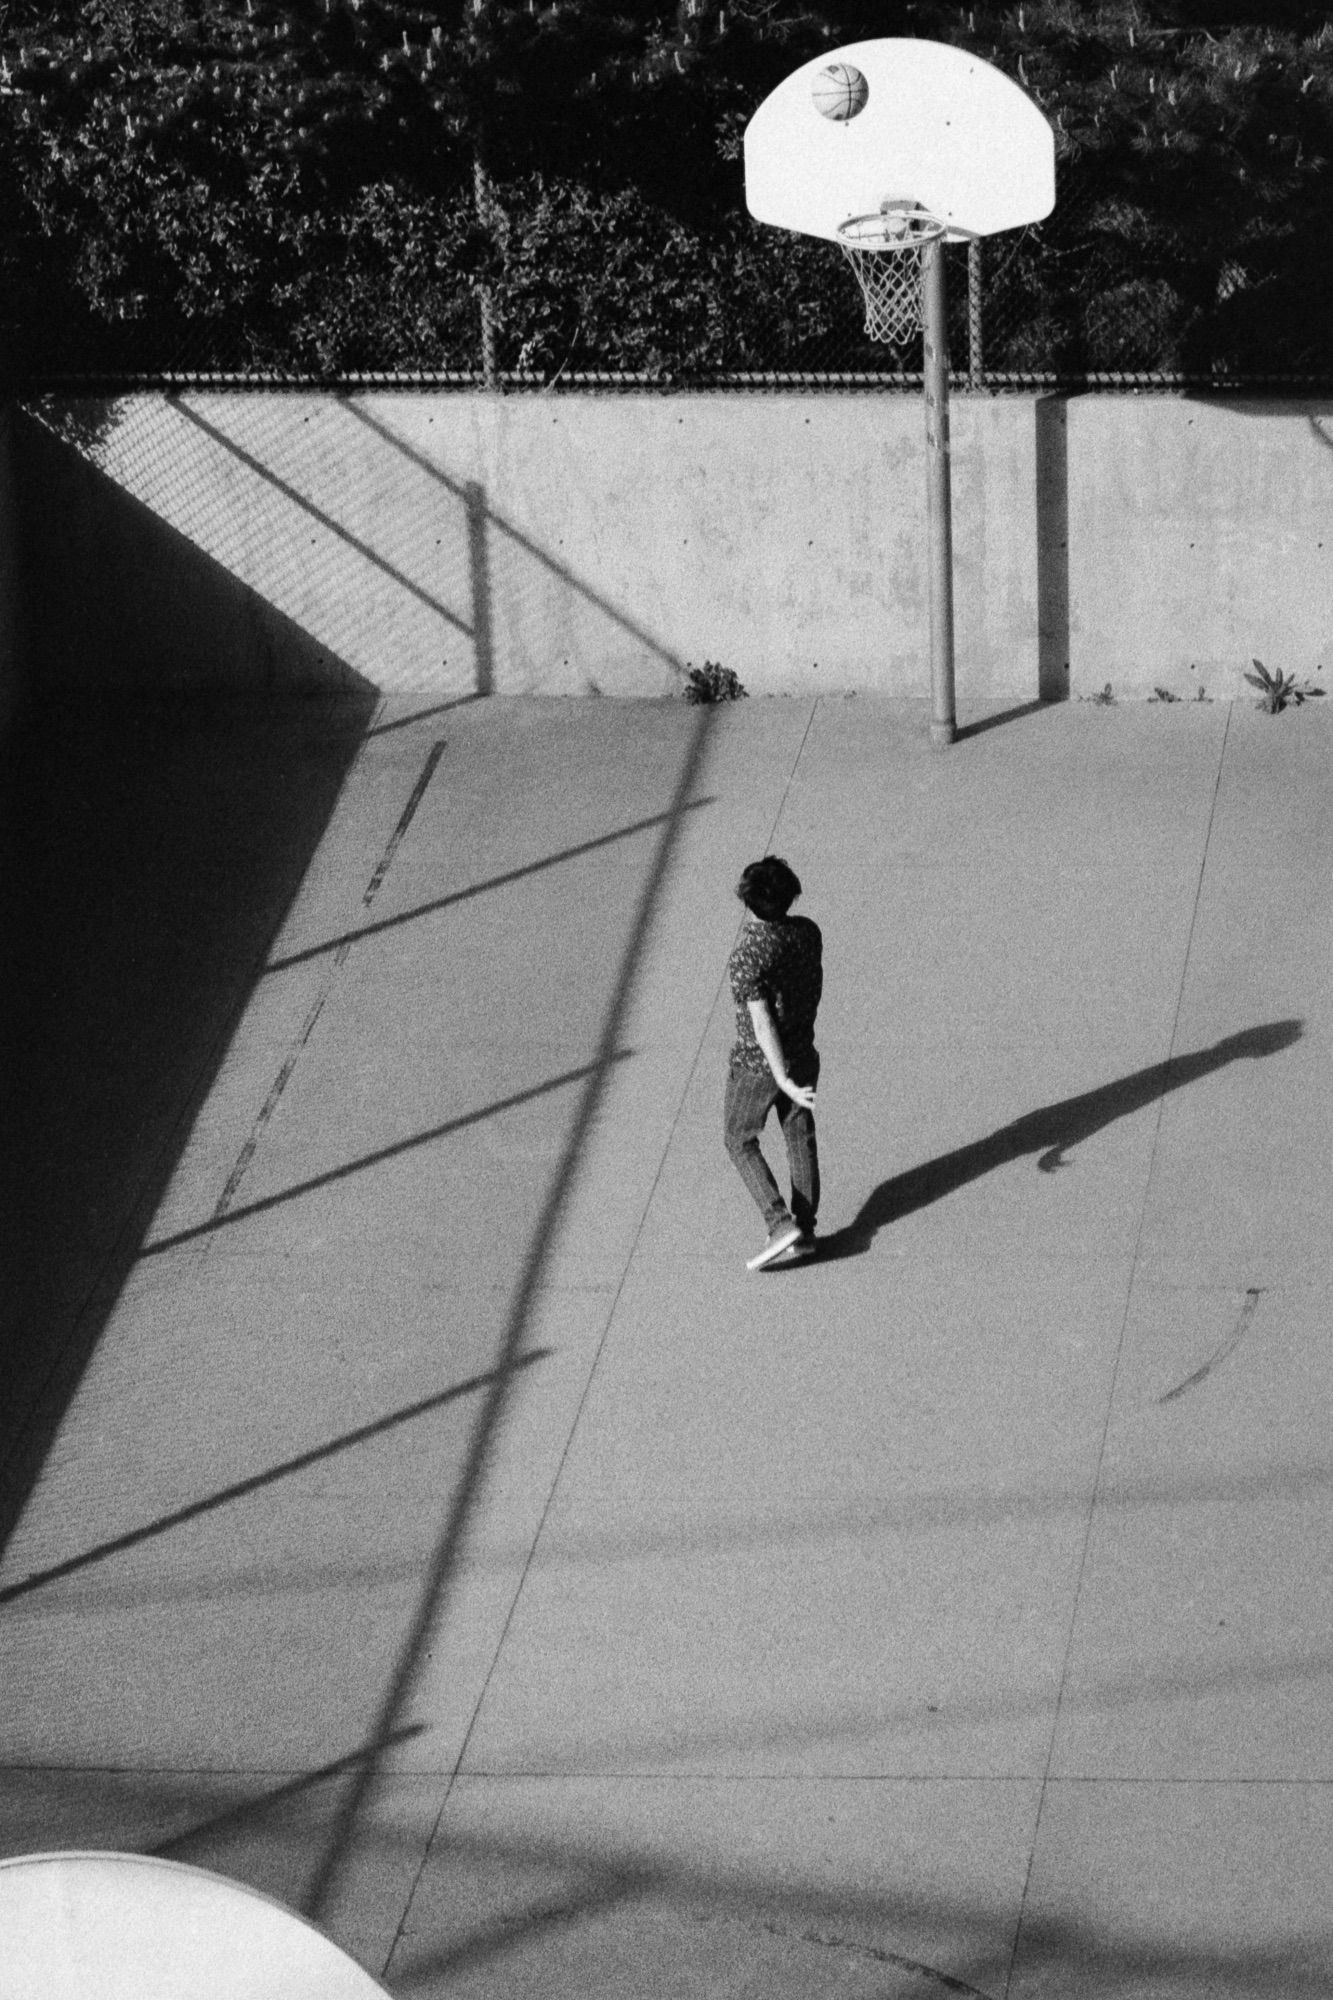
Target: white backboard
939,127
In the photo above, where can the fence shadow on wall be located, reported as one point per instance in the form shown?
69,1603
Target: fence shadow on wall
524,560
385,551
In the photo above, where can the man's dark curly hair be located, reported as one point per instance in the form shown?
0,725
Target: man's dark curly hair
769,888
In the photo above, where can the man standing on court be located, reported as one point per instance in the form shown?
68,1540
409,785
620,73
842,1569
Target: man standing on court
776,974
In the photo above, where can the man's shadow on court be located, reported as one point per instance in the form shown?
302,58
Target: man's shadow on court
1050,1133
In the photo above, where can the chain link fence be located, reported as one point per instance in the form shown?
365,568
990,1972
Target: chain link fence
533,289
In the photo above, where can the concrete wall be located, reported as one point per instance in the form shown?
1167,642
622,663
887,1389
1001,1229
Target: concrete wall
1200,535
440,544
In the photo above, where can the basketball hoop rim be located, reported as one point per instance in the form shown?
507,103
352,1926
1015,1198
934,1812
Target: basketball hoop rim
870,232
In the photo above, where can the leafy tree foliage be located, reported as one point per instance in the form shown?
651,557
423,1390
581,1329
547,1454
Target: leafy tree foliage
1196,181
244,183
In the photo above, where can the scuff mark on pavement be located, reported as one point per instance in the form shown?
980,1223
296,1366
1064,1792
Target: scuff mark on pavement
877,1955
1229,1346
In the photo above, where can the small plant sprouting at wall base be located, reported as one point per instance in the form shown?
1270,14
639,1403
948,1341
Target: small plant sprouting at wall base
1163,694
1279,689
1103,700
710,683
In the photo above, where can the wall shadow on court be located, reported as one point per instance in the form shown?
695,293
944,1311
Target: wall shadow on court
152,851
1050,1133
1054,678
154,839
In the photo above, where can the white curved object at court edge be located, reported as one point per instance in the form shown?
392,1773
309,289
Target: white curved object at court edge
94,1926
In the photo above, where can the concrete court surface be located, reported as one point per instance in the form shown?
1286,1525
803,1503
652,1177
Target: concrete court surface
422,1515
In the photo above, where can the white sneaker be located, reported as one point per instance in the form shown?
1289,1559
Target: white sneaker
779,1240
801,1250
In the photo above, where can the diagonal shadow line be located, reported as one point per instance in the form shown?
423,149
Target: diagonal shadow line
301,1576
435,1595
289,492
478,888
977,1510
605,1890
377,1158
972,1508
982,723
249,1809
1050,1132
420,715
461,491
259,1480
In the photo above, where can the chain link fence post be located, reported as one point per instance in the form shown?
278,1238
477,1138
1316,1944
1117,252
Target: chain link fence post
486,216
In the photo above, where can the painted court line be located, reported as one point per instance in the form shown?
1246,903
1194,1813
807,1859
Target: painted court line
339,959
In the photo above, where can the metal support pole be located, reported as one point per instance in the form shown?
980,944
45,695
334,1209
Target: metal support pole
943,724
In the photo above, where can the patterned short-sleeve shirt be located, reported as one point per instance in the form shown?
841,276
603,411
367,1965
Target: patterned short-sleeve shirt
782,963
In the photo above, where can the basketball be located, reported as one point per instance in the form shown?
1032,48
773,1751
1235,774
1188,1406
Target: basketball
840,91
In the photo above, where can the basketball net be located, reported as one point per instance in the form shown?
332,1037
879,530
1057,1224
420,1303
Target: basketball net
884,250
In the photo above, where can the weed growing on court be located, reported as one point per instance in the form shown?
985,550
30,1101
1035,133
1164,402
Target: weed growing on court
1103,700
1279,690
1163,694
711,682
